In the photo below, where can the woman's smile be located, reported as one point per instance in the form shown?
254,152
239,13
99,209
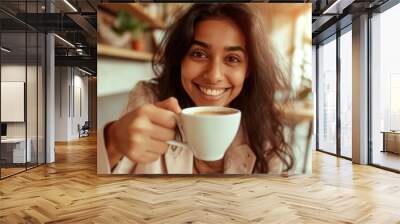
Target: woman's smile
209,92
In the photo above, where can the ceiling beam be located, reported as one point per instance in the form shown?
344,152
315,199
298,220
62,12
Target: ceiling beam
77,61
84,24
321,20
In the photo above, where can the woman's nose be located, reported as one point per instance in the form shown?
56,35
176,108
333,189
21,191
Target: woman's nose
214,72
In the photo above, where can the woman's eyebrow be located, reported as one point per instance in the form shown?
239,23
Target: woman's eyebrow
235,48
230,48
197,42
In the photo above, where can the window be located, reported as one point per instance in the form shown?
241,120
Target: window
346,94
385,89
327,97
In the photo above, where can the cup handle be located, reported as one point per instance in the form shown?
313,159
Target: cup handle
179,125
180,129
178,144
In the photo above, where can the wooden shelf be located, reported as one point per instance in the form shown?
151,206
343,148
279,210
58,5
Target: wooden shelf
137,10
109,51
299,111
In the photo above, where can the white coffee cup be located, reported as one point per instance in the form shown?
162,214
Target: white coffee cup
208,130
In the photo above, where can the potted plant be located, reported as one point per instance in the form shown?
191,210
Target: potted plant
126,23
109,36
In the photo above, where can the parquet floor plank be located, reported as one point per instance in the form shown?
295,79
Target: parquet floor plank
70,191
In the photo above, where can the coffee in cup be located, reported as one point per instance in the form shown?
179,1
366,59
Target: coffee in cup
221,112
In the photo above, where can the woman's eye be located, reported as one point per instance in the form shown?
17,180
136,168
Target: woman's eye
233,59
198,54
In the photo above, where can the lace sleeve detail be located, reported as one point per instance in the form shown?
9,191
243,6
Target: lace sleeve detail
139,95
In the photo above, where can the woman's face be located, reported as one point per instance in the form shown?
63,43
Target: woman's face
214,69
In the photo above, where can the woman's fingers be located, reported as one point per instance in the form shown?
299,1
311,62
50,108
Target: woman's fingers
170,104
142,134
160,133
145,149
155,146
161,113
148,157
160,116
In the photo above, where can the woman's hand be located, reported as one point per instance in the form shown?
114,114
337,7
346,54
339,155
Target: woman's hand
141,135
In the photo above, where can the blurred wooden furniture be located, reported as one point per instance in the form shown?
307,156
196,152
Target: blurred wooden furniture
297,113
135,9
156,17
391,141
110,51
106,16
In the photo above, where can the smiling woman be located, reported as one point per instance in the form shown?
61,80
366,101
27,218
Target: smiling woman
212,55
214,69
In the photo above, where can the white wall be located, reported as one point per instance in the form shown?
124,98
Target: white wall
81,83
61,103
114,81
67,115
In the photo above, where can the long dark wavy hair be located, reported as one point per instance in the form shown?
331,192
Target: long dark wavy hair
262,117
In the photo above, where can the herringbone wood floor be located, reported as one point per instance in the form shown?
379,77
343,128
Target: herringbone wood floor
69,191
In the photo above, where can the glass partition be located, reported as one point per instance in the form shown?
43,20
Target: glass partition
41,85
32,87
31,100
14,151
22,89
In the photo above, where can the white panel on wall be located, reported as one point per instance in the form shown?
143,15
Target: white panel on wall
77,112
71,103
12,101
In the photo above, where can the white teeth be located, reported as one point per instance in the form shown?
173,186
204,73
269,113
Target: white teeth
212,92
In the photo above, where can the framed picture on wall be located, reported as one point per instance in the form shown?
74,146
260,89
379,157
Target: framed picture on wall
186,115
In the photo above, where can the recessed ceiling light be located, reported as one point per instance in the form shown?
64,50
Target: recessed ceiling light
71,6
338,6
84,71
5,50
64,40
